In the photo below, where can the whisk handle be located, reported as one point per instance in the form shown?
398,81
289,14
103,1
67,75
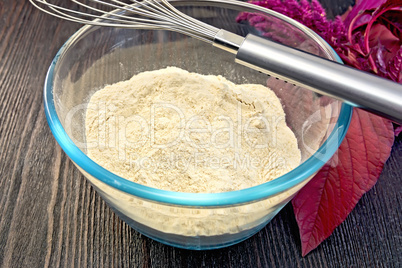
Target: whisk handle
355,87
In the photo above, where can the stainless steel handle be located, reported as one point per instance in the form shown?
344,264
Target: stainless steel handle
357,88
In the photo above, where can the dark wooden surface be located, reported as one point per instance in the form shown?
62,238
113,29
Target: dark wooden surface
50,216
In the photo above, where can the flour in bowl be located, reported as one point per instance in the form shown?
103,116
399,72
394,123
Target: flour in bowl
175,130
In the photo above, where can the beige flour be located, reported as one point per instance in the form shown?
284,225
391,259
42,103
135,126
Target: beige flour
180,131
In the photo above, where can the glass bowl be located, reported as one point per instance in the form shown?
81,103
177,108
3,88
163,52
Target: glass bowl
97,56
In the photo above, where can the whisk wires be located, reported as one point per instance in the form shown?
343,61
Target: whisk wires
146,14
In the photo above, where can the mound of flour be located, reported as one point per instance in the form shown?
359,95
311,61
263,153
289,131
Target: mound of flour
186,132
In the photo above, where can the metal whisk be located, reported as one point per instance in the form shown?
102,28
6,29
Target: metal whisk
149,14
323,76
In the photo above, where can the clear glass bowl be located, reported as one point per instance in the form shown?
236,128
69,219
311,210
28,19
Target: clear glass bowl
94,57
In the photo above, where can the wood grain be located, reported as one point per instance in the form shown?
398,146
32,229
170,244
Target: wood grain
51,217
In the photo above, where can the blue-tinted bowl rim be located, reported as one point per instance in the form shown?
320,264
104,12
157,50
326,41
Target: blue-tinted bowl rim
262,191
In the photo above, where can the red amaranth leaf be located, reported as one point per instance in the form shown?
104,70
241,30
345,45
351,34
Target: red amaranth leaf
359,9
392,20
331,195
374,34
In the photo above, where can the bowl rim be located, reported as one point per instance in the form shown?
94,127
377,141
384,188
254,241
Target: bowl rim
251,194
